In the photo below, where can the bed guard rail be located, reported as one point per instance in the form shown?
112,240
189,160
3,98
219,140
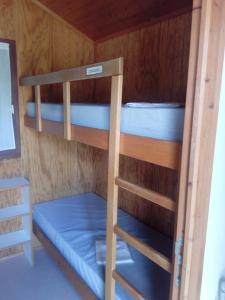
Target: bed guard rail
111,68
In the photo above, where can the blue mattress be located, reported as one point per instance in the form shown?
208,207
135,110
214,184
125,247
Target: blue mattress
74,223
155,120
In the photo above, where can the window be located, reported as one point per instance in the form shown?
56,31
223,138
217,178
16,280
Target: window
9,114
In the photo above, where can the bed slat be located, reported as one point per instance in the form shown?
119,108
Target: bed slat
154,255
149,195
67,110
132,290
159,152
37,90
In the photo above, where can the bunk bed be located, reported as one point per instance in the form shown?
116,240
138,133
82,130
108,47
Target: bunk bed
161,152
165,153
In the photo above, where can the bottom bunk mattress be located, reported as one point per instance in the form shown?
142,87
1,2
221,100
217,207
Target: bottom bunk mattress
74,223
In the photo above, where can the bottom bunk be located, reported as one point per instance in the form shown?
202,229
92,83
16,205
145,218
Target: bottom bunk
73,225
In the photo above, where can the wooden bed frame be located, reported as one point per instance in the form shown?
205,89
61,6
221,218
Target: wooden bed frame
79,284
164,153
159,152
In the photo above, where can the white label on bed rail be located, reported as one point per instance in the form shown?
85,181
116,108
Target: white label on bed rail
94,70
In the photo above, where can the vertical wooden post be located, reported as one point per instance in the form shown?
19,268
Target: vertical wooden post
38,107
183,174
67,110
206,102
113,170
27,224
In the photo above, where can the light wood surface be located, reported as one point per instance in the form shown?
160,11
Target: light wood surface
42,46
131,289
112,193
181,209
67,110
155,256
38,108
147,194
159,152
201,75
107,69
206,105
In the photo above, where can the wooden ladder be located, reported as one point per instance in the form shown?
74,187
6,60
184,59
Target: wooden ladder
114,182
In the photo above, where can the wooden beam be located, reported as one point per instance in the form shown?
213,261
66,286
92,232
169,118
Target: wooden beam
159,152
149,195
67,110
38,107
154,255
205,113
203,28
112,193
102,69
163,153
124,283
185,156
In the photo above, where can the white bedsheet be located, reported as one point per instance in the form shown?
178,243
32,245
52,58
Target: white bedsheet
156,120
74,223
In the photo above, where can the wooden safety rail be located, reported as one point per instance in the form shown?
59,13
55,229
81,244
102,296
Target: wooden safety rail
160,152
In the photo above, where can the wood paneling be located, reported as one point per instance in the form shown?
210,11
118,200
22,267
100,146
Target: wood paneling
156,67
155,62
156,178
44,44
105,18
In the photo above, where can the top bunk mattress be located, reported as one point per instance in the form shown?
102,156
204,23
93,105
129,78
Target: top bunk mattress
162,121
74,223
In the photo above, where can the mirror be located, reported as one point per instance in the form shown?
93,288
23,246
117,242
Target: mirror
9,115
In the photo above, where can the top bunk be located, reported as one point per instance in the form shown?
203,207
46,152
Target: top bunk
149,132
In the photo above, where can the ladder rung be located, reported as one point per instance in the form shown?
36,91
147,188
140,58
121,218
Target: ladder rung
132,290
154,255
154,197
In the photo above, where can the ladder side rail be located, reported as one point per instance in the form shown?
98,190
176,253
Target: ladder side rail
112,193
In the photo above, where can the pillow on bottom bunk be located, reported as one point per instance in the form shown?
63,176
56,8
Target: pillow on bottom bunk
123,255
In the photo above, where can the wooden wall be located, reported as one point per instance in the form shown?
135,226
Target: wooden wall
156,67
54,166
156,60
